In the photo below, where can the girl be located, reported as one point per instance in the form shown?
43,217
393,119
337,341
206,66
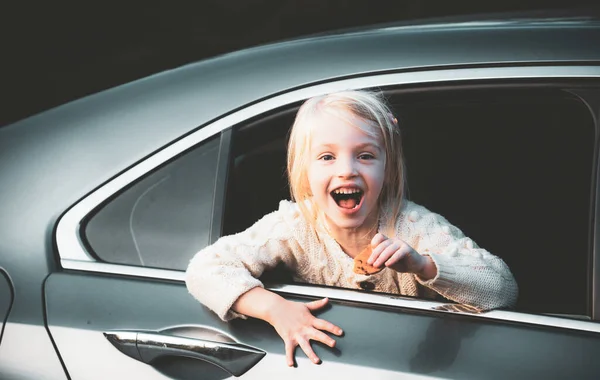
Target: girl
346,176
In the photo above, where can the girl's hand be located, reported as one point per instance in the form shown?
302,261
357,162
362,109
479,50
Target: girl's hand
296,325
401,257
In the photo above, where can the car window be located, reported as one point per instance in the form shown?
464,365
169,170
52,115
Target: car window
259,151
162,220
511,167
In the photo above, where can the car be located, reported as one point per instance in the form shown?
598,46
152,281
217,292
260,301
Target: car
106,198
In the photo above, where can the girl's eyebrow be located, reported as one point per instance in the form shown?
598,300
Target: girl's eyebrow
359,146
369,145
329,146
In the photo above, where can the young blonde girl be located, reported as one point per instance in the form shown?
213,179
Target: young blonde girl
346,177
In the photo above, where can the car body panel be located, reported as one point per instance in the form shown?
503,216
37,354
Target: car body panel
440,345
27,353
6,299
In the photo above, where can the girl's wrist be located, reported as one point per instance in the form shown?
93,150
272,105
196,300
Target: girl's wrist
428,270
272,308
258,303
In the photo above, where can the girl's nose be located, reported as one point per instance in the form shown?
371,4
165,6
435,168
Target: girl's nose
346,168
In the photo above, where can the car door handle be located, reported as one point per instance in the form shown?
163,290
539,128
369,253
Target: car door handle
147,346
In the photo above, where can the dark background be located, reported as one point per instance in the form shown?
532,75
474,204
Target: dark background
52,53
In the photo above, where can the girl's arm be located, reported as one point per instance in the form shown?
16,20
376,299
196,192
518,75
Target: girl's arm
465,272
220,273
224,276
293,321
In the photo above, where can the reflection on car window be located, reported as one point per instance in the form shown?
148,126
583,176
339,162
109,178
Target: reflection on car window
163,219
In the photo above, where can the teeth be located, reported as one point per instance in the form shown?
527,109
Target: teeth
346,191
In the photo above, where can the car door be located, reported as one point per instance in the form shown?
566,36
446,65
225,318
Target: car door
120,309
6,299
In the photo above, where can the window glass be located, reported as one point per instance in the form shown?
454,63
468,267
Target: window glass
162,220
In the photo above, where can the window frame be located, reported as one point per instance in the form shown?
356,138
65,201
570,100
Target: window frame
74,255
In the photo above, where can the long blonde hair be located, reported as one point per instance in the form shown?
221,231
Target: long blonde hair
372,108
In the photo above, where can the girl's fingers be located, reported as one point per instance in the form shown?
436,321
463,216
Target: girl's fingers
377,251
312,330
324,325
387,252
289,353
320,336
377,239
316,305
397,256
305,346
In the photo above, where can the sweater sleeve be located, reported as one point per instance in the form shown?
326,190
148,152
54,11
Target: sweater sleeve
466,273
220,273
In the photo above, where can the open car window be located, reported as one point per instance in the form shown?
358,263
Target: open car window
510,166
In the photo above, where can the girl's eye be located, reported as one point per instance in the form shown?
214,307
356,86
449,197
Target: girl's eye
326,157
366,156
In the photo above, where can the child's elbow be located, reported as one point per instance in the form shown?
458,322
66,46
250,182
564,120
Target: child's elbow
194,276
511,289
506,295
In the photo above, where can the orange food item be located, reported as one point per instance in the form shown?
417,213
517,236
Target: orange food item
360,263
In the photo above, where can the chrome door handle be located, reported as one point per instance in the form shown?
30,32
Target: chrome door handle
147,346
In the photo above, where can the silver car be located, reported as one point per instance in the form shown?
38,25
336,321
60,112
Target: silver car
106,199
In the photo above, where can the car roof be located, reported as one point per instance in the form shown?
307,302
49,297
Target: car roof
59,155
247,75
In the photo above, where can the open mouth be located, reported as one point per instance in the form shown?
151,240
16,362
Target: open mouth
347,198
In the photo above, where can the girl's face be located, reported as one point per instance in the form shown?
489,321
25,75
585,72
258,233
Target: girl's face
346,169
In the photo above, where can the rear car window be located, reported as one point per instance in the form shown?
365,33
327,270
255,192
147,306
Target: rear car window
162,220
511,167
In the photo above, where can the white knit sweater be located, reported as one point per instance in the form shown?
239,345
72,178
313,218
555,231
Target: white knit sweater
467,274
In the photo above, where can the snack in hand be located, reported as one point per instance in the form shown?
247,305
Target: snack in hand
360,263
